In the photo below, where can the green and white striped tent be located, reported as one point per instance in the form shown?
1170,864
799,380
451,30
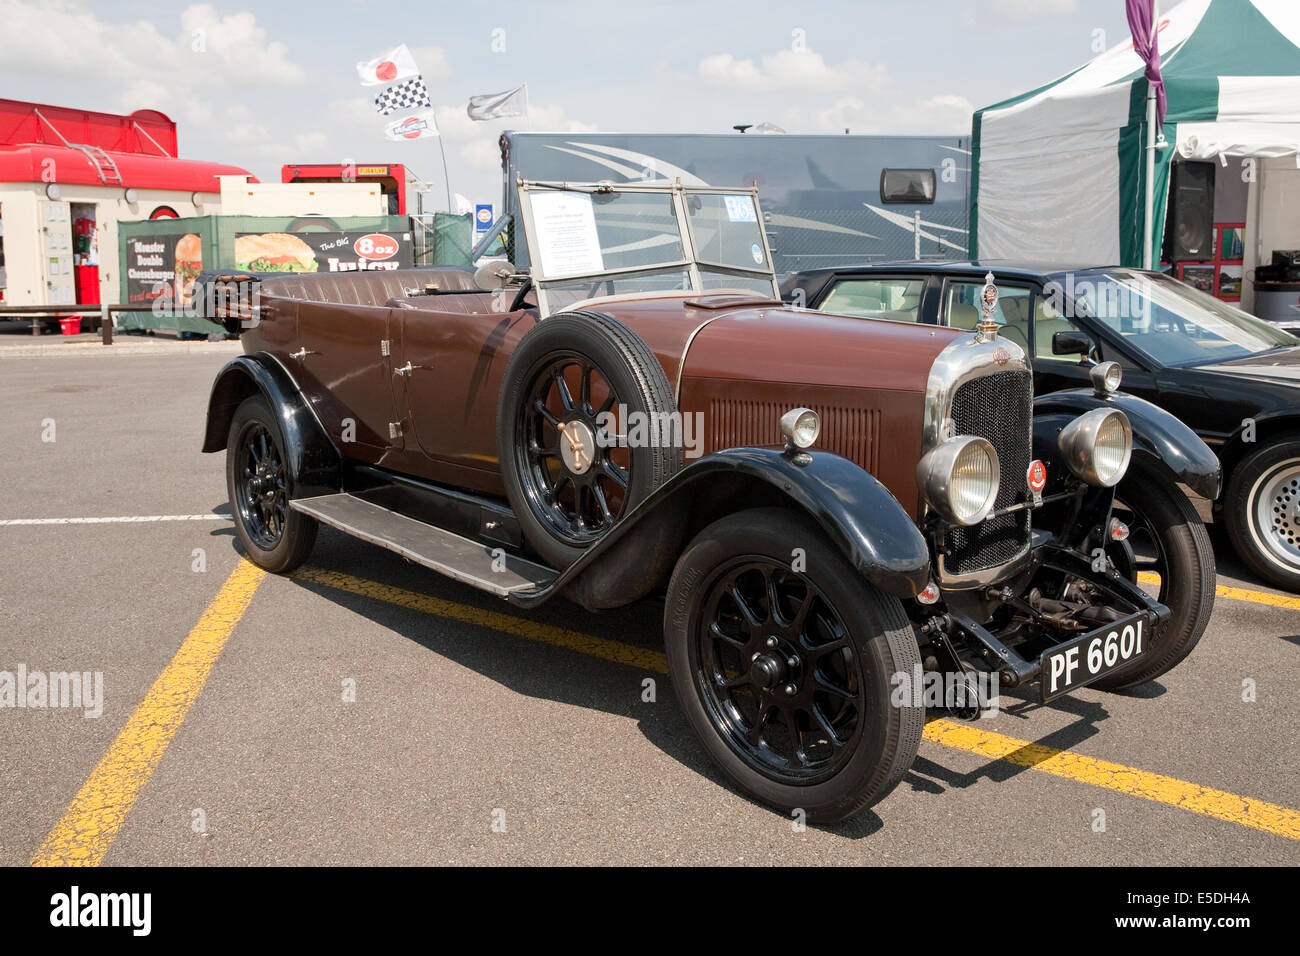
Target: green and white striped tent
1058,174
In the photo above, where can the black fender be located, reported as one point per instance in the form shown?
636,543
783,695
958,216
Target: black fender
314,462
855,511
1160,440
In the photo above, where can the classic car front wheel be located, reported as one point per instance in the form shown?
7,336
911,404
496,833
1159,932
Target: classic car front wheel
586,428
1169,546
273,535
1262,512
784,660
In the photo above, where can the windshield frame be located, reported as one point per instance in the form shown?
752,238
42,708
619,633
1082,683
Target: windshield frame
1189,298
690,262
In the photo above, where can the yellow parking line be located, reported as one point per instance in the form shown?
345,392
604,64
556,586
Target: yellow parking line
91,822
521,627
1130,781
1236,594
1219,804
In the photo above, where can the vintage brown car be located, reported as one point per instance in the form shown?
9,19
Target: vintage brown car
831,507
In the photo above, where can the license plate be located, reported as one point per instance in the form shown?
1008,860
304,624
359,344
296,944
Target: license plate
1088,657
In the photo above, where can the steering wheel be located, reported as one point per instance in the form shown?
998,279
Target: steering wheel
524,288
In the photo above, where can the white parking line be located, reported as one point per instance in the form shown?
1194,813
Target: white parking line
123,519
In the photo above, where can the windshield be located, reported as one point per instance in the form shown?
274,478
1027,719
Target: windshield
1169,321
589,240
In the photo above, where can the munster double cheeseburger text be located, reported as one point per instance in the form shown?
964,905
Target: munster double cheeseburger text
162,265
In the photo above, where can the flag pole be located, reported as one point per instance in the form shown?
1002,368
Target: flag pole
446,178
1148,238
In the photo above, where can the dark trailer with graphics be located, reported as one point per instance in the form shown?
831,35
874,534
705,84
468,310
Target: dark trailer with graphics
827,200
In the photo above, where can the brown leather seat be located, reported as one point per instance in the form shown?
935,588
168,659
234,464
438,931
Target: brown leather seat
470,303
372,287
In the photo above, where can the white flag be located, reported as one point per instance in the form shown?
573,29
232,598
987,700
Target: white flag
392,66
490,106
412,125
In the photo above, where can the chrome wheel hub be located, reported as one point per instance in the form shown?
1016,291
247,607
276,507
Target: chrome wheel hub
1276,507
577,446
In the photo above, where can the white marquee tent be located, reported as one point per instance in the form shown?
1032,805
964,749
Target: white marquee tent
1059,172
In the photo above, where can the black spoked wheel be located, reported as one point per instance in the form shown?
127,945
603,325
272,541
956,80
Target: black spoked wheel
262,490
580,431
259,484
1169,549
786,670
1142,558
778,672
574,459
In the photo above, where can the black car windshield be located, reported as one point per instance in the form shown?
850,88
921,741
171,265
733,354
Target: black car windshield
1170,322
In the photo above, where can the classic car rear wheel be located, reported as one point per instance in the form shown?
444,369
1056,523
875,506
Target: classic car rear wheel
575,429
1262,512
786,675
1168,540
273,535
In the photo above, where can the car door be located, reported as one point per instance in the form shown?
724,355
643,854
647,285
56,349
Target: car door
345,360
1054,313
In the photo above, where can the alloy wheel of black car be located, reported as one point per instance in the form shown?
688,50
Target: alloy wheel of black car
787,675
1168,539
1261,509
259,484
573,460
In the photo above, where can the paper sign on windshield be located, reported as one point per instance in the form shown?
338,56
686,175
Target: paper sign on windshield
564,224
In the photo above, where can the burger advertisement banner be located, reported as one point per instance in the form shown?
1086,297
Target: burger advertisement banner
323,251
162,265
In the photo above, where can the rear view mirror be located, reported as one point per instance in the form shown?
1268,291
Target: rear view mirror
1071,343
494,274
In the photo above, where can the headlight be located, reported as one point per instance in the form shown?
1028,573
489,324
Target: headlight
1106,378
1098,445
800,427
960,479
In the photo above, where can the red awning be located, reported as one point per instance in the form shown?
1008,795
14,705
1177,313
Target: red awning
30,164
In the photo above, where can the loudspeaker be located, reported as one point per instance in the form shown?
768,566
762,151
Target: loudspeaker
1189,226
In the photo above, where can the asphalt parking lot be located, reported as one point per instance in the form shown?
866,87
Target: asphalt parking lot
484,734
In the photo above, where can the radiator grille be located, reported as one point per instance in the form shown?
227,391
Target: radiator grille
996,407
852,433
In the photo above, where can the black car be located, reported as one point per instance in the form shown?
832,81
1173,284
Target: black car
1233,379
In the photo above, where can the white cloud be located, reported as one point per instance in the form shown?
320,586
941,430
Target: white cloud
1029,9
210,55
937,115
791,70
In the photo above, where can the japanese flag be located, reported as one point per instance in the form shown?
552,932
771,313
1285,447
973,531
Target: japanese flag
392,66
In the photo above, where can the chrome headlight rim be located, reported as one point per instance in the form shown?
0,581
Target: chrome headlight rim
1079,440
1106,378
800,428
936,474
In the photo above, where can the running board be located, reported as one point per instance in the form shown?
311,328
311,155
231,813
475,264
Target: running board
490,568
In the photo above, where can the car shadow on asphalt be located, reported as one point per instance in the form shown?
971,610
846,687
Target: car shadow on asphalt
534,669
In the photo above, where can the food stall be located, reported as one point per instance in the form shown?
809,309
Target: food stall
68,177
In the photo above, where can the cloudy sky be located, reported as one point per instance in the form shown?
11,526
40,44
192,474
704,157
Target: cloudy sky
259,84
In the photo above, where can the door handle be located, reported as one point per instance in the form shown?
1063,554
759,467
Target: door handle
301,354
408,369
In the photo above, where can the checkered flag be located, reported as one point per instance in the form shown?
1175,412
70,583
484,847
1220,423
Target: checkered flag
410,94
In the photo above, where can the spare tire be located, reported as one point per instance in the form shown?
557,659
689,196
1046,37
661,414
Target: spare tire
580,431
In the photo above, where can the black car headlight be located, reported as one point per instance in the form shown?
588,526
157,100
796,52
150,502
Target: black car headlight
1098,446
959,479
